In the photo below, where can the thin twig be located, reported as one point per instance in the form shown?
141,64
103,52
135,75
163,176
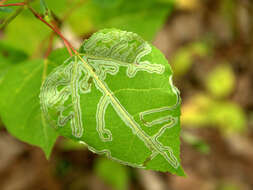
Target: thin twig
58,21
50,45
55,29
41,45
37,15
66,43
13,4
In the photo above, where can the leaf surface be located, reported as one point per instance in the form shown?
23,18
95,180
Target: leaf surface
117,97
20,109
9,57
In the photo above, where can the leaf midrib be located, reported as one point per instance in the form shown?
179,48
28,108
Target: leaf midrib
43,122
144,135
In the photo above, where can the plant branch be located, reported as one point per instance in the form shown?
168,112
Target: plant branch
69,48
13,4
58,21
56,30
50,45
42,44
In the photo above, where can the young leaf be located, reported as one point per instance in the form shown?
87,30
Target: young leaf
44,7
20,109
117,96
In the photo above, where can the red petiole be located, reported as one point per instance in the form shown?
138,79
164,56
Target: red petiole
13,4
53,26
56,30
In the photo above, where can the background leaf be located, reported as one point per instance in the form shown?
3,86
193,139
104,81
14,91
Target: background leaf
143,17
9,57
29,35
21,114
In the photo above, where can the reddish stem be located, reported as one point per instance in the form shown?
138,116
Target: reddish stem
55,29
50,45
66,43
3,1
13,4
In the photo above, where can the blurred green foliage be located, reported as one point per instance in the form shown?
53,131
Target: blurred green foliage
63,167
5,9
144,17
220,81
9,56
228,11
29,35
112,173
204,111
1,124
184,58
212,109
228,185
196,142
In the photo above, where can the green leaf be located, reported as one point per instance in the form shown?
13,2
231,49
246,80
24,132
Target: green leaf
4,67
20,108
59,7
112,173
117,97
144,17
107,3
59,55
12,54
9,57
30,32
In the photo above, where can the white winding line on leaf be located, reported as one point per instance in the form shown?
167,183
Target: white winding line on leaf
71,79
